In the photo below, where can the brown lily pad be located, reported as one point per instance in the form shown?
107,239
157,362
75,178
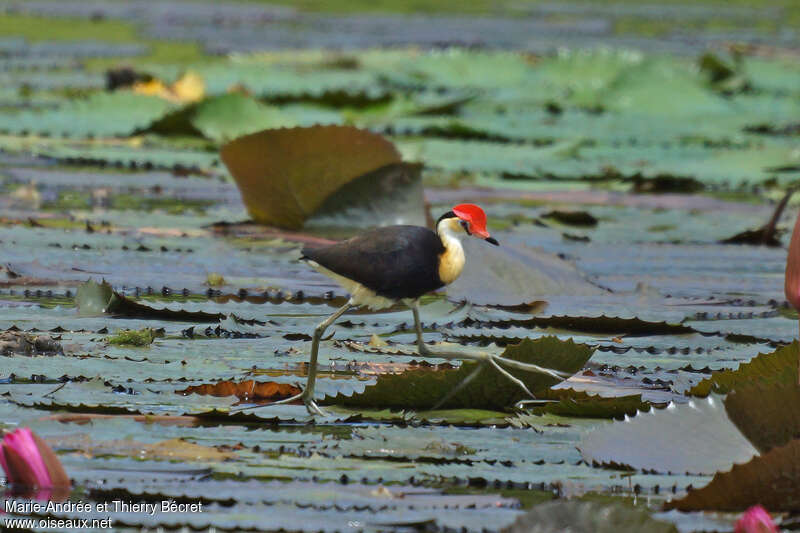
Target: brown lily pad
285,175
771,480
250,391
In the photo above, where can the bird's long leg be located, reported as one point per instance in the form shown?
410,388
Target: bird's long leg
421,347
498,362
484,358
518,382
458,388
308,393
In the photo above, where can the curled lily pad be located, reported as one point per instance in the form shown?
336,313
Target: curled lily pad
95,298
285,175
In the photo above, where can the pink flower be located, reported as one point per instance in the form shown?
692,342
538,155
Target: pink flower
791,284
756,520
28,461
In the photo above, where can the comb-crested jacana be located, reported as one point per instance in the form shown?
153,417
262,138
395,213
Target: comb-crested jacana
398,264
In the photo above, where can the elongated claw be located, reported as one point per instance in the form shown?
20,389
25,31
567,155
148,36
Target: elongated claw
314,409
458,388
501,364
311,405
518,382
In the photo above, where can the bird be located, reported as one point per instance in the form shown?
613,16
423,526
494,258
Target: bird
393,264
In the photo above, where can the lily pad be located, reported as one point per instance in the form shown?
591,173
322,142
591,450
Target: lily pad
770,480
94,298
285,175
560,516
101,115
423,389
768,414
777,367
697,438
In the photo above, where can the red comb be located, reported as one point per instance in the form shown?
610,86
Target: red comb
472,214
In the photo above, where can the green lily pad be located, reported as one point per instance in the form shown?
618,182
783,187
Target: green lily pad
118,114
560,516
423,389
777,367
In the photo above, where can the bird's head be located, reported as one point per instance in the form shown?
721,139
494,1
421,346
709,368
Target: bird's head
465,218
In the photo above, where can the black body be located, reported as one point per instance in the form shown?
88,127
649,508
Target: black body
395,261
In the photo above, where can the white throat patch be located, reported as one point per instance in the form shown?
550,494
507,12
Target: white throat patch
451,261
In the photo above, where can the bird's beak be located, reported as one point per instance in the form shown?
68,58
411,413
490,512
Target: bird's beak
483,234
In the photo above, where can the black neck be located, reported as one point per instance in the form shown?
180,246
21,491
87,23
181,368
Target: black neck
449,214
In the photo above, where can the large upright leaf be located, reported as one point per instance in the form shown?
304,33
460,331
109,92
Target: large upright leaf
779,366
771,480
768,414
391,194
423,389
284,175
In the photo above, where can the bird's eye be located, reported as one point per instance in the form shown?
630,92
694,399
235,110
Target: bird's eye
465,225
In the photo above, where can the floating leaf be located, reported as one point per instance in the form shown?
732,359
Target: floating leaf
94,298
165,450
250,391
572,218
132,337
100,115
561,516
514,275
697,438
422,389
596,324
580,404
285,175
223,118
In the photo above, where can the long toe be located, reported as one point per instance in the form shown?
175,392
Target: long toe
313,408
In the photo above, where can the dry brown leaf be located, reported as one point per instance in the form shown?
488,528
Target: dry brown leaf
165,450
164,420
250,390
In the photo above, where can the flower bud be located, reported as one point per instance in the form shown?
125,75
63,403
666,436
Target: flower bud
756,520
29,462
791,284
